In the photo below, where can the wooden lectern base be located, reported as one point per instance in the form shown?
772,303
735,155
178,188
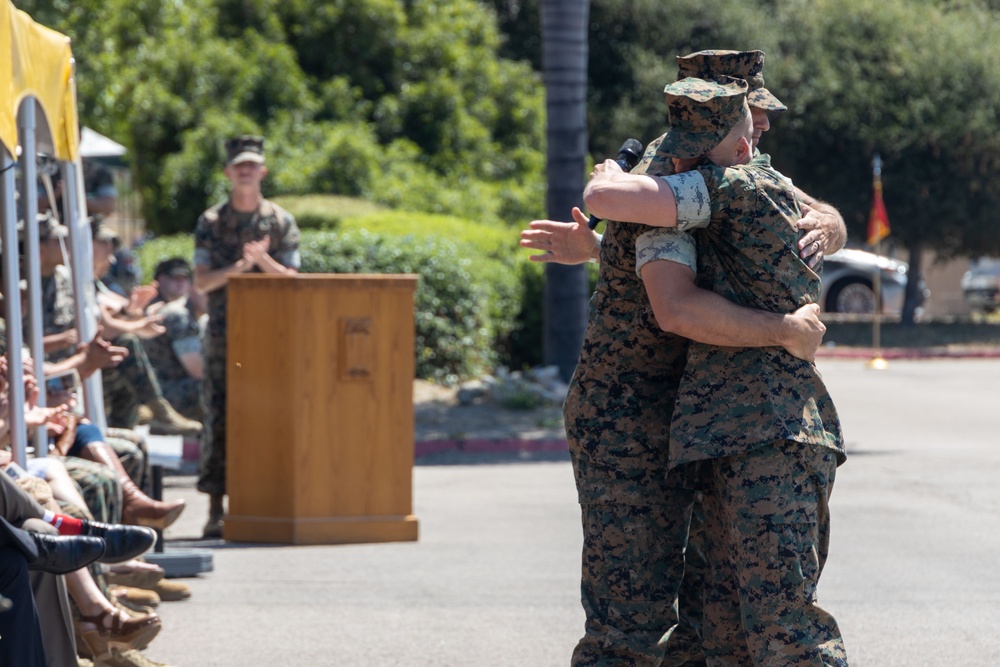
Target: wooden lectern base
320,409
328,530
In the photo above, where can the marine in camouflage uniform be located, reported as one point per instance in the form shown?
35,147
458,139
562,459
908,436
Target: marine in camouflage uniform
761,417
181,339
220,236
635,515
617,418
183,335
126,386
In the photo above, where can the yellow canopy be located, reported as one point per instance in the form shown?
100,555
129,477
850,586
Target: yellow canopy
40,66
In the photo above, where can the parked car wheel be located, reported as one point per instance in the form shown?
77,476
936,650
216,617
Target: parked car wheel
853,296
847,283
981,284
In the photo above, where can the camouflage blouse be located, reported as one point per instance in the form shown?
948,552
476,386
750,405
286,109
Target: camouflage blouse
218,242
732,400
622,393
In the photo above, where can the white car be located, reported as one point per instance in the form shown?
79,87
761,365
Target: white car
981,284
848,283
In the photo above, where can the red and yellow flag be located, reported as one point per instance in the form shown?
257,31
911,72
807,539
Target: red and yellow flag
878,219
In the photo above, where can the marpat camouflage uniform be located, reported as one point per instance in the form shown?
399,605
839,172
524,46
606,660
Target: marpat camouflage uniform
183,335
682,647
58,309
635,515
99,486
766,421
219,238
129,384
126,386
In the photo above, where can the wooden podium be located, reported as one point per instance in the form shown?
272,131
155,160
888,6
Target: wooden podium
319,446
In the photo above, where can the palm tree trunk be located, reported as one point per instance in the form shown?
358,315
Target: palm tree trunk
564,64
914,276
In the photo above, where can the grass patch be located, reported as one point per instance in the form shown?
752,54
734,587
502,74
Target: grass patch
325,211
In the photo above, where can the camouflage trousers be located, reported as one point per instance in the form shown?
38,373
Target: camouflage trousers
99,487
682,646
767,529
133,453
212,464
633,562
185,397
99,484
129,384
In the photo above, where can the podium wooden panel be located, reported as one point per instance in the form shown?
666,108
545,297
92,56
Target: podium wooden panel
319,446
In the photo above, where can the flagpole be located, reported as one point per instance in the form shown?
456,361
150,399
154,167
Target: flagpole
877,362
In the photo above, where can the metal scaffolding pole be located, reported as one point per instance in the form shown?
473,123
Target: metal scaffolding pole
32,262
12,309
81,264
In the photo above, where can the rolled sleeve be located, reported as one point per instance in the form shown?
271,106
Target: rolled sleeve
667,244
694,204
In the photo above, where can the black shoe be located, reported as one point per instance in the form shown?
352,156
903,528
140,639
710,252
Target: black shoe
121,542
59,554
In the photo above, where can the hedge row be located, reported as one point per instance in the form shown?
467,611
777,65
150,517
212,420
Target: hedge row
478,303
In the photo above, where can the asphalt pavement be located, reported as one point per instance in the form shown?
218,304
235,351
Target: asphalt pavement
494,578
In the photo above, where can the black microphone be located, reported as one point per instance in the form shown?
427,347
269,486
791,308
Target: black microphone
628,157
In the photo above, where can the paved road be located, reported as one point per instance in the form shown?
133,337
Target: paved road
493,580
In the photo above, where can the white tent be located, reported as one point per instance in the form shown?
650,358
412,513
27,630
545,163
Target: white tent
97,146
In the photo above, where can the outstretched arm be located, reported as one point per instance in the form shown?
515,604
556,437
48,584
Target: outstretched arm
562,242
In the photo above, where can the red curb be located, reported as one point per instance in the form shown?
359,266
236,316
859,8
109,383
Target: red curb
429,447
488,446
909,353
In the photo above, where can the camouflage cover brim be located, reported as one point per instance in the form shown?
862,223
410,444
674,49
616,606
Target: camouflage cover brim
700,114
689,144
762,98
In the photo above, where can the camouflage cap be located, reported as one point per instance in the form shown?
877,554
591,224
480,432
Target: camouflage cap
746,65
701,114
246,148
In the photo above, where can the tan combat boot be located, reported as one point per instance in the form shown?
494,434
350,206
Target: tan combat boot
167,421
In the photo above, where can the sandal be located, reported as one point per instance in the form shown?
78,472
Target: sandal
125,633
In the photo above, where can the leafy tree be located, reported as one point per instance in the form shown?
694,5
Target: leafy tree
402,103
914,81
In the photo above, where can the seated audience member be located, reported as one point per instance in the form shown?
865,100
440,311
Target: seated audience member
177,355
100,624
133,382
78,438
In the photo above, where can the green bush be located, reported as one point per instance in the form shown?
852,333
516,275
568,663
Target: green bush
154,251
324,211
479,300
453,331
